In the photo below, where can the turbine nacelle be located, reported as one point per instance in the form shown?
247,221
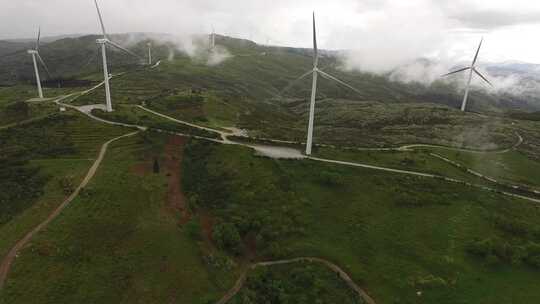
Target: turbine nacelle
104,42
316,72
35,59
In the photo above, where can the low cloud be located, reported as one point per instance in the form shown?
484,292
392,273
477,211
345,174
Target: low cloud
197,47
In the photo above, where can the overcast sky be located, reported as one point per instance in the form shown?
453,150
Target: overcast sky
385,32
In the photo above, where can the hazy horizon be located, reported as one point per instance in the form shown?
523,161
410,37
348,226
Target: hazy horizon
378,35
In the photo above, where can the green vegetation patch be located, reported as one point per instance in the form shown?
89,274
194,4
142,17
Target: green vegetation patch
116,243
402,238
513,167
300,283
136,116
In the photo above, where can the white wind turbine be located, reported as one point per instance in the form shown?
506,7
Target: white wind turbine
149,44
103,42
36,57
472,69
316,72
213,39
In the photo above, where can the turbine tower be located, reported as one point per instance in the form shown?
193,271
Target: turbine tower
149,44
472,69
212,39
103,42
35,58
316,72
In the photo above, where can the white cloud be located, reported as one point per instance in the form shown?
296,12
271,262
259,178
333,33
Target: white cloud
385,33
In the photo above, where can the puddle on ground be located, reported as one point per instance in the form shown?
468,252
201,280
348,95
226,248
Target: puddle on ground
278,152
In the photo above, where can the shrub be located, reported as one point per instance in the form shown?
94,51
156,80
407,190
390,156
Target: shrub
156,166
227,237
67,185
193,229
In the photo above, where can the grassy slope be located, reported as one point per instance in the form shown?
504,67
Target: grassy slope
411,161
395,234
86,138
242,92
512,167
136,116
116,243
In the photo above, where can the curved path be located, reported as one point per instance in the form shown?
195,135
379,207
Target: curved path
294,154
485,177
342,274
12,254
515,146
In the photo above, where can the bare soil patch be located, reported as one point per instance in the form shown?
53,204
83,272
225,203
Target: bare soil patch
172,167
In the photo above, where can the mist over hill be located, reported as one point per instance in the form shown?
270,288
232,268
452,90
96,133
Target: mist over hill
516,85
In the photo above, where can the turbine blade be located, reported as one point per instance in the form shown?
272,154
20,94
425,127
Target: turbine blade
455,72
315,48
44,65
292,83
330,77
101,20
477,52
123,49
38,38
482,76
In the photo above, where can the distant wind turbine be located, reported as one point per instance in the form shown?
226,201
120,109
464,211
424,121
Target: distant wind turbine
472,69
315,72
36,57
149,44
213,39
104,42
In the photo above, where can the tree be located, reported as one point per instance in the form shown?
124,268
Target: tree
156,165
227,237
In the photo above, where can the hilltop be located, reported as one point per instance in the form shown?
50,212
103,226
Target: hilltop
270,70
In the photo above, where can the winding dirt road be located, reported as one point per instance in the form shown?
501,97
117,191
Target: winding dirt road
12,254
335,268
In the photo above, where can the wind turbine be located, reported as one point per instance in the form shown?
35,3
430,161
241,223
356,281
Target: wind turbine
103,42
36,57
149,44
316,72
213,39
472,69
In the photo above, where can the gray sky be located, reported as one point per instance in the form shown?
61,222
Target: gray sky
384,32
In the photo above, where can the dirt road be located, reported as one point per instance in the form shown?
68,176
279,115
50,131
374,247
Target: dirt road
176,201
12,254
342,275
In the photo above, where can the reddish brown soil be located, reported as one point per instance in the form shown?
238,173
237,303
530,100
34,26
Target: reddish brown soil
172,166
250,242
142,169
207,224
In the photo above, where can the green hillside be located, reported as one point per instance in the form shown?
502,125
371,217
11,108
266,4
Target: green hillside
411,199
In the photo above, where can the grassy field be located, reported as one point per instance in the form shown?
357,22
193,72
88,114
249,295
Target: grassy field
419,161
133,115
117,243
513,167
396,235
58,150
